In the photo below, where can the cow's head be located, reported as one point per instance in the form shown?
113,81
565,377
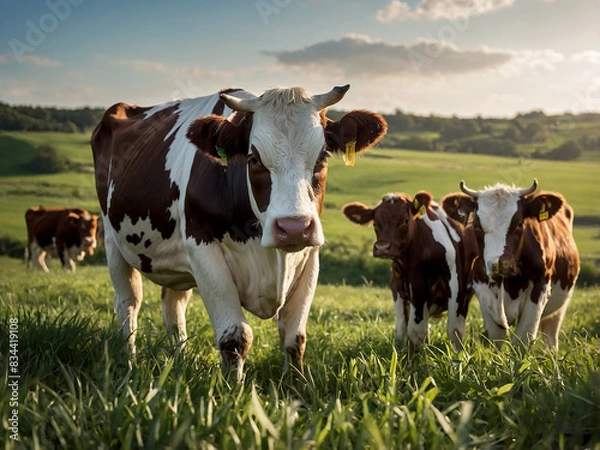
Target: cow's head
85,225
285,139
499,215
393,220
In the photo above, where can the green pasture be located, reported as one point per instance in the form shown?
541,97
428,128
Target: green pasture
377,172
361,390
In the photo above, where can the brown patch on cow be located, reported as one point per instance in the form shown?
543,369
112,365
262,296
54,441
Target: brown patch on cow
135,238
260,180
145,263
122,139
296,352
319,181
234,345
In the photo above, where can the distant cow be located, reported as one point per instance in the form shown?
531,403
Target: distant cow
528,261
222,192
431,261
64,232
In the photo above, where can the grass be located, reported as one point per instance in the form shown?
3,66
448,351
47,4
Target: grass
78,391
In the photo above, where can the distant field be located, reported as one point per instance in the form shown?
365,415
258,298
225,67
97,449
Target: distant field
378,172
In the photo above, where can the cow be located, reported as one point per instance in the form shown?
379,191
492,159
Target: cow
528,262
431,261
222,192
64,232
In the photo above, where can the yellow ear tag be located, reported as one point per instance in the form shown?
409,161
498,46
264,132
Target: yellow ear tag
471,218
543,213
416,204
422,210
349,153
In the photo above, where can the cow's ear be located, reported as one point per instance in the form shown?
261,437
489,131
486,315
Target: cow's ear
73,218
420,203
359,213
543,207
217,137
459,207
355,132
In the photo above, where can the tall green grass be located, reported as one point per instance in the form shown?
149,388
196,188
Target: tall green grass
77,389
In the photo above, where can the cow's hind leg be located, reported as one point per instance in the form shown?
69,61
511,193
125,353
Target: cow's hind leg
127,282
174,305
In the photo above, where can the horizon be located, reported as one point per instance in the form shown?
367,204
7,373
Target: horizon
488,58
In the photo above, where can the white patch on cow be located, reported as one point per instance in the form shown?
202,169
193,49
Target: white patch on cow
444,218
441,235
390,197
289,138
418,333
496,207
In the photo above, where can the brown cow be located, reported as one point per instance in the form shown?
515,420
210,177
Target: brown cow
528,261
64,232
431,260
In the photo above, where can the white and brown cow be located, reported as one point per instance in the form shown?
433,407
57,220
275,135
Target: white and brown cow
64,232
528,261
431,261
222,192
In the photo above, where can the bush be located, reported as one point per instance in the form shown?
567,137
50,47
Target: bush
489,146
568,151
47,160
11,247
588,275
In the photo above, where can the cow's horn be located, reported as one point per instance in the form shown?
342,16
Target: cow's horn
330,98
530,190
466,190
241,104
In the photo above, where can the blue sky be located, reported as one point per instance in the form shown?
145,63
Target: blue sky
463,57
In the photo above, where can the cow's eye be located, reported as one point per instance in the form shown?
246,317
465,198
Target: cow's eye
253,160
520,225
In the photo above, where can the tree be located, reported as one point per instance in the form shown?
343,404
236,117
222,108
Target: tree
47,160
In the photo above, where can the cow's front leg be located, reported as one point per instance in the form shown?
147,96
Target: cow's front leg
174,305
292,318
531,314
40,257
222,302
494,318
418,319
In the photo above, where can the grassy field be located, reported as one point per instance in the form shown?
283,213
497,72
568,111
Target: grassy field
361,391
76,389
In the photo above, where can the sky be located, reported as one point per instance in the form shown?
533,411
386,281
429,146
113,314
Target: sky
493,58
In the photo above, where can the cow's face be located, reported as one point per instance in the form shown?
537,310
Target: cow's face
393,220
286,143
85,226
501,215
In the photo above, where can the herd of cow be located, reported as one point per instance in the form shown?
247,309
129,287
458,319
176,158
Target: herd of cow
224,193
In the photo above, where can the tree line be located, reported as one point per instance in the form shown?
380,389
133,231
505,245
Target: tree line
532,133
37,118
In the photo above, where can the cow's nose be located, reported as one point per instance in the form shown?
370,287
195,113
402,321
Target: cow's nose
382,248
294,234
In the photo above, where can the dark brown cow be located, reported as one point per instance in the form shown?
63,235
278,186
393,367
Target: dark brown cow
528,261
224,193
64,232
431,260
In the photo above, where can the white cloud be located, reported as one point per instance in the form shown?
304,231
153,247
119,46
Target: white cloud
141,65
587,56
398,10
538,59
40,61
356,55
